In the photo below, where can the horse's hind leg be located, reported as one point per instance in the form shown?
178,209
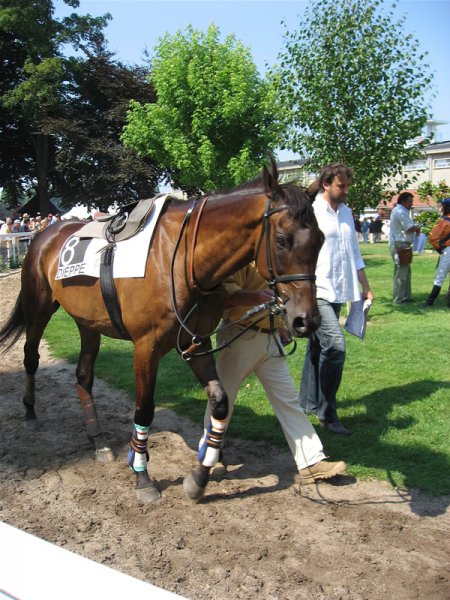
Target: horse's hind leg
210,448
37,321
90,344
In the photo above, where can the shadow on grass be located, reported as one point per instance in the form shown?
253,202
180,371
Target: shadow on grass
373,445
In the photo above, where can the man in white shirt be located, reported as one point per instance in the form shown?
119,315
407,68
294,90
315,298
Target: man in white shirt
401,235
340,273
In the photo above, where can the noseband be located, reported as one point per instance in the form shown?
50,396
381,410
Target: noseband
275,307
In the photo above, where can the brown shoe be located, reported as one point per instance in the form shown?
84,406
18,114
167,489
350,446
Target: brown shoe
322,470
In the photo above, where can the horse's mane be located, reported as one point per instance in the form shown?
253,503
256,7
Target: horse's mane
296,198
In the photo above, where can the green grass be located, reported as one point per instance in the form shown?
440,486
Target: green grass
394,395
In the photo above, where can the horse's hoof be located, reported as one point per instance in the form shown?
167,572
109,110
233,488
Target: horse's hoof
32,424
192,489
104,455
148,494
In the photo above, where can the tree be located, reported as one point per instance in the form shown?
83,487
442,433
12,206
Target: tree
214,119
33,73
92,166
426,190
352,85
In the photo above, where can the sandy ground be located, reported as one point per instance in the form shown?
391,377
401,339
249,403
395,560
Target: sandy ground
254,535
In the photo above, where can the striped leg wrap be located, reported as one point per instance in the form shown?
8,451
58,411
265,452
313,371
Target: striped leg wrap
137,454
211,443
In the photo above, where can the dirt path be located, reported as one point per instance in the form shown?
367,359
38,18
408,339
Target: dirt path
255,535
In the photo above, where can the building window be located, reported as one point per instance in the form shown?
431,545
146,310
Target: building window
416,165
442,163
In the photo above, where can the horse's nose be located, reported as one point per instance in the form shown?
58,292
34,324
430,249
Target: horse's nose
304,325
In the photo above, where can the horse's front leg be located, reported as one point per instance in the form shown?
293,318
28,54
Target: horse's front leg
215,427
145,372
90,344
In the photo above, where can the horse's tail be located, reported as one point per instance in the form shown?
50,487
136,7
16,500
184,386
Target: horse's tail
14,326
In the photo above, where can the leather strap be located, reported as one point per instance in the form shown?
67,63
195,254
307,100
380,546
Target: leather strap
109,291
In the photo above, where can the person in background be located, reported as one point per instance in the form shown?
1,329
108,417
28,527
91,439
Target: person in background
357,226
256,351
340,272
7,226
377,230
38,223
16,226
401,234
371,230
440,240
365,230
25,225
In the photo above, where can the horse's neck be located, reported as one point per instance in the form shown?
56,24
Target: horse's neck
227,237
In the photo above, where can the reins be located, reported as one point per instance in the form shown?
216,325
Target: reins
275,307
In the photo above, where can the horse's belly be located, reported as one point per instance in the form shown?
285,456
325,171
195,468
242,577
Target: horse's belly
81,298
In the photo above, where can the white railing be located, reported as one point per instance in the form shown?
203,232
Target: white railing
14,246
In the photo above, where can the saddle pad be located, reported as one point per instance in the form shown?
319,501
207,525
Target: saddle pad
80,256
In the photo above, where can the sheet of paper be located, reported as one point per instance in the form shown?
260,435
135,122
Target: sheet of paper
420,239
357,318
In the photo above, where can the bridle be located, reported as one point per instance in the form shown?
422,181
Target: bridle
275,306
267,228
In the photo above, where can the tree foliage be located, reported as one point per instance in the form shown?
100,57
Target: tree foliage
353,85
92,166
61,116
436,191
214,119
32,76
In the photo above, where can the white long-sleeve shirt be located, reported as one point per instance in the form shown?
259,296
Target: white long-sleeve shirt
400,223
340,257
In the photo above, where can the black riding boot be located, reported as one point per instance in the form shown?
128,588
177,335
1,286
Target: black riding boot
433,295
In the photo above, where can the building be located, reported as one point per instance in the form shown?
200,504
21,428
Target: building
433,166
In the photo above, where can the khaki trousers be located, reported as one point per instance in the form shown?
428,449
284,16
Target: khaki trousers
257,353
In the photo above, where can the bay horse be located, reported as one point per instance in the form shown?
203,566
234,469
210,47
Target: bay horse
188,259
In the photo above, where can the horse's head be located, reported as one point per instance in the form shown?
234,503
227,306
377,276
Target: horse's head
289,251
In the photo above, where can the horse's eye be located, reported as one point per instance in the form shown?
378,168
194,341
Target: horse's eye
282,241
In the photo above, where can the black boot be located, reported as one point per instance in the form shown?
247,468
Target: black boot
433,295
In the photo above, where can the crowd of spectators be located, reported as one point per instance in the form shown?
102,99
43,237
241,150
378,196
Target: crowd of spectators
26,223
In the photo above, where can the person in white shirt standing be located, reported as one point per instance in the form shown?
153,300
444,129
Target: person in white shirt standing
340,274
401,235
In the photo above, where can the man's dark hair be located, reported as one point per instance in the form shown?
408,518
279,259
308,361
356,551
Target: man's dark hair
404,197
329,172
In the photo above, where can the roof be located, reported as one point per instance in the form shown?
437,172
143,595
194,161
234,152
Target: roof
32,207
438,147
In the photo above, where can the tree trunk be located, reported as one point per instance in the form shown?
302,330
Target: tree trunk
40,142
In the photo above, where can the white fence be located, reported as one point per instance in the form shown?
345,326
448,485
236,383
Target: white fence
33,569
14,246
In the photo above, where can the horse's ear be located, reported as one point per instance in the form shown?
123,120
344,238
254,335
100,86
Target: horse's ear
272,187
313,189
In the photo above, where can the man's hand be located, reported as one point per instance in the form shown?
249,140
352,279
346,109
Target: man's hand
249,298
285,336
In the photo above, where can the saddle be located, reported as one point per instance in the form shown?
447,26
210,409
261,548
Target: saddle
126,223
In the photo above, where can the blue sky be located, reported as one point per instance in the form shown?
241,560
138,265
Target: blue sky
138,24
